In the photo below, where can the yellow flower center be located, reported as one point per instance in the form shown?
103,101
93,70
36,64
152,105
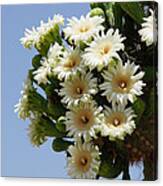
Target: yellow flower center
106,49
84,29
72,61
122,83
116,119
84,119
70,64
116,122
83,160
78,88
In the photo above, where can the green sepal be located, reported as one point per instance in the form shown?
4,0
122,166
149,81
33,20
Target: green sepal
59,144
56,110
37,102
55,83
36,61
54,106
50,128
60,124
48,39
83,45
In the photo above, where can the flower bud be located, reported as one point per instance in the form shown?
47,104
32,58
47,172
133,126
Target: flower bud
96,12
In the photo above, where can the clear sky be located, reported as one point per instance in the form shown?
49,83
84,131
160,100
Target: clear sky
19,157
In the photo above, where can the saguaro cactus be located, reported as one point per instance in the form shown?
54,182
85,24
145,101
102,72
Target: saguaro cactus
101,89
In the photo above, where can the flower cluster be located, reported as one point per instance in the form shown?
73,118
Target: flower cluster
89,68
23,107
32,37
148,32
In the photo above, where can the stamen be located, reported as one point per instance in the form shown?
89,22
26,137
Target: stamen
84,29
70,64
83,161
122,85
106,49
79,90
84,119
116,122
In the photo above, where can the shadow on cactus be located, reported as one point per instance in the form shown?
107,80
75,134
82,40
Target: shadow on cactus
99,76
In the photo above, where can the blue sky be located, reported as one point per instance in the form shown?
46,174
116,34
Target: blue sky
19,157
